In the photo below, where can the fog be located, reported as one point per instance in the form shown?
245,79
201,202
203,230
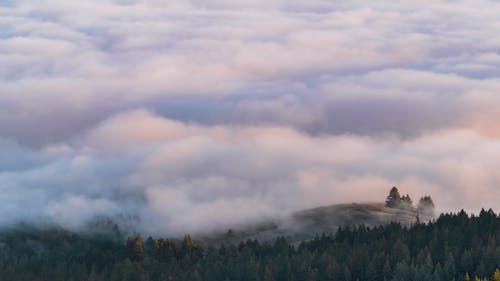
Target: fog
173,177
186,116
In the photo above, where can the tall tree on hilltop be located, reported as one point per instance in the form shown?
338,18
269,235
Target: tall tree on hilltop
394,198
406,202
426,206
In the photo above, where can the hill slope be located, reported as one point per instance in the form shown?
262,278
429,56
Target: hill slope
305,224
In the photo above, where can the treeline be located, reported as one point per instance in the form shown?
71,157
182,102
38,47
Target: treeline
454,247
425,206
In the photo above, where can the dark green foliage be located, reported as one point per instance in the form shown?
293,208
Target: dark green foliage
426,206
394,198
406,202
452,247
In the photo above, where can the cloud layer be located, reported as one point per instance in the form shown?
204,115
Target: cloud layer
187,115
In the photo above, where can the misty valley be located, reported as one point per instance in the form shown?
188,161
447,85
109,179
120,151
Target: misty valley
395,240
249,140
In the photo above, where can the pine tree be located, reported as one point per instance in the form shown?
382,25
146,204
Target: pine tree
406,202
426,206
347,274
394,198
268,274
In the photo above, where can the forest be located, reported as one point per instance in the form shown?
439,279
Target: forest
456,246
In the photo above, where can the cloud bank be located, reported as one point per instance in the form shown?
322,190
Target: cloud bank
187,116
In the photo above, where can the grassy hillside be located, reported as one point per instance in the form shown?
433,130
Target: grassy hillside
305,224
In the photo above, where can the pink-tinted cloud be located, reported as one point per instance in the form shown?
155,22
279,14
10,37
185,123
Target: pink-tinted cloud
189,115
174,177
63,60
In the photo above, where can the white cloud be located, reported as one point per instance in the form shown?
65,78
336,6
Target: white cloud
261,107
62,57
176,178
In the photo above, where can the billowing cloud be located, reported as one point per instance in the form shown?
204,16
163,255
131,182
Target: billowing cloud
313,65
188,115
172,177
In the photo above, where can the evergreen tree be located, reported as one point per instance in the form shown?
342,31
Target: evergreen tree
347,274
453,247
426,206
394,198
268,274
406,202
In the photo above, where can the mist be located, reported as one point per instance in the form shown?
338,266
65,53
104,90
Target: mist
170,177
185,116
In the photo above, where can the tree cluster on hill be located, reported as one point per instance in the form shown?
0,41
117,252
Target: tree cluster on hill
425,205
454,247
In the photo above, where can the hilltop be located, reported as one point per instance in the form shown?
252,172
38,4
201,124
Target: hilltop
306,224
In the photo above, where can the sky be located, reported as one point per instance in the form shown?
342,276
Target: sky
188,116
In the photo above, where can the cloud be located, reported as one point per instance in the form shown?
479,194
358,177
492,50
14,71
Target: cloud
173,177
191,115
65,62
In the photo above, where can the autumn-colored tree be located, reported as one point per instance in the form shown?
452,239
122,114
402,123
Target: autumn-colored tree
188,242
135,249
496,275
